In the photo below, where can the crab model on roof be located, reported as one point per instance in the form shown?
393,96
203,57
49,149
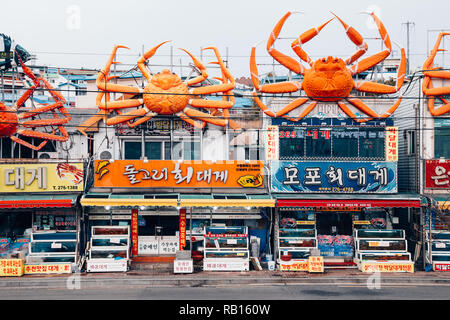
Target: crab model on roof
431,72
166,94
14,123
328,79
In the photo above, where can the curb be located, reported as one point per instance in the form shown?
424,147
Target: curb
74,282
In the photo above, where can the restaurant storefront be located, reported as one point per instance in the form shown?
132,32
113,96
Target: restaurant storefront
39,215
349,210
437,218
170,205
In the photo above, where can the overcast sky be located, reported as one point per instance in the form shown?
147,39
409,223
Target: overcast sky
81,33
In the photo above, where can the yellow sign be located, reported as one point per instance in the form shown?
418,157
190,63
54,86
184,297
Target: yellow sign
361,222
305,222
315,264
391,144
47,268
11,267
42,177
294,266
272,143
387,267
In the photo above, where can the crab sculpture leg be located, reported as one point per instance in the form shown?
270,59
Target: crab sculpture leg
228,84
295,66
32,124
367,63
291,64
431,72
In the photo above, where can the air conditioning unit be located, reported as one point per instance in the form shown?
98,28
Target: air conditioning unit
48,155
104,154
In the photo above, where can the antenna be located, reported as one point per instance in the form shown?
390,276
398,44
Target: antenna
408,24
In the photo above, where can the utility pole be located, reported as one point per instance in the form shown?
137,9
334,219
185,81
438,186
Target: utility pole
408,24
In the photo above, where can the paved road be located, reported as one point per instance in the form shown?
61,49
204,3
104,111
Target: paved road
239,292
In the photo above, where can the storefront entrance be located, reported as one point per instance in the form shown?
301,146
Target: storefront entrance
158,234
334,223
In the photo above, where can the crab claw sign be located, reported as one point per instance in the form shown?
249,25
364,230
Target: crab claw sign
174,174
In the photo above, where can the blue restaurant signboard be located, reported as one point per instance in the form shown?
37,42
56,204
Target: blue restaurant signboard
334,177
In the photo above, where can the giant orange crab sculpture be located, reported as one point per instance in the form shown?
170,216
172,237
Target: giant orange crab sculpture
431,73
328,79
166,94
14,123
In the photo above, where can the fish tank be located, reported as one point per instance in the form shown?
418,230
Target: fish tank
376,234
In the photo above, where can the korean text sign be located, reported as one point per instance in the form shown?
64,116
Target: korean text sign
334,177
391,144
437,174
42,177
173,174
272,143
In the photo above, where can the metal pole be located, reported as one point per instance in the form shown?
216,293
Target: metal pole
171,58
275,233
3,87
13,89
190,232
171,139
408,23
142,143
430,234
422,222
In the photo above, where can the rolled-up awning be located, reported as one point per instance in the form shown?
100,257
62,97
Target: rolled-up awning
345,201
128,200
177,200
38,201
227,200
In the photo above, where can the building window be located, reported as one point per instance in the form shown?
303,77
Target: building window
163,150
345,142
371,142
318,143
410,142
292,142
336,142
441,138
8,149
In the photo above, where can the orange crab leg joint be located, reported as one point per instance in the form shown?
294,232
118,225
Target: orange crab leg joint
430,72
328,79
164,94
13,125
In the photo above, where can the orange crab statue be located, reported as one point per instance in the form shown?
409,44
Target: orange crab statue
431,73
328,79
166,94
16,122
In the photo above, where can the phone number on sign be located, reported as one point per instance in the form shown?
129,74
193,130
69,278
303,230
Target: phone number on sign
65,187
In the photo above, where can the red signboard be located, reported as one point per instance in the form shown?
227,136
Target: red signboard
135,230
442,267
437,174
345,204
182,228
